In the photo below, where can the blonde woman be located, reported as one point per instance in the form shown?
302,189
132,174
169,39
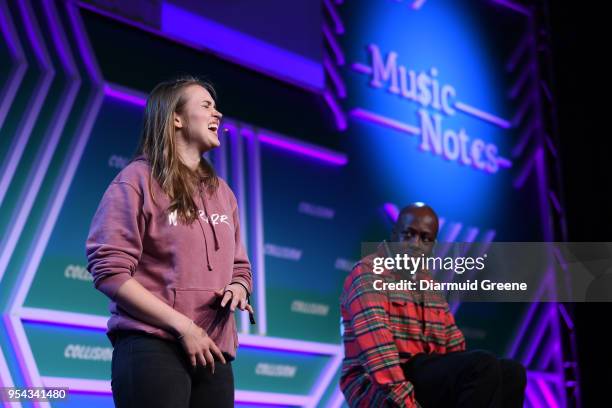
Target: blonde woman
165,247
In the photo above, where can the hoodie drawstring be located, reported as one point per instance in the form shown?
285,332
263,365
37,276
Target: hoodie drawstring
212,225
206,246
206,213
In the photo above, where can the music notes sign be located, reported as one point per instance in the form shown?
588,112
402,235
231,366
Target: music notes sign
430,72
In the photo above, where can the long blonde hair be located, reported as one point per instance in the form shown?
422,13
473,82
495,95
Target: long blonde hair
158,145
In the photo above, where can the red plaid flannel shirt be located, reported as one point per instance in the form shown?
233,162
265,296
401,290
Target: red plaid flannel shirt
383,329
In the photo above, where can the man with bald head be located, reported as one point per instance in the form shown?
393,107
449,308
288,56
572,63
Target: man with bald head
403,348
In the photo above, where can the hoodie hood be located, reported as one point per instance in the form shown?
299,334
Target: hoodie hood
202,195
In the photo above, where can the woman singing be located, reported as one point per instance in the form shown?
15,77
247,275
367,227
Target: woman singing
164,246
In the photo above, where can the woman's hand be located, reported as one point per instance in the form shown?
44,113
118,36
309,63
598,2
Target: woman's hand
236,295
199,347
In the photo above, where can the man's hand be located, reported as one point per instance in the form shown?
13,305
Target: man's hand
234,294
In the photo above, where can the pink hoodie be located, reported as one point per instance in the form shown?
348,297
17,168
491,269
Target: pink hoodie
133,238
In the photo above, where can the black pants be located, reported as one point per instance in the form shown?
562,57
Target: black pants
471,379
155,373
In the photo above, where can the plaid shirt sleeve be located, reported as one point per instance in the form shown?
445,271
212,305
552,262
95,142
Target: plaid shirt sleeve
368,311
454,337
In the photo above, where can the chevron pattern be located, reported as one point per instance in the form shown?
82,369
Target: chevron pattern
52,91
